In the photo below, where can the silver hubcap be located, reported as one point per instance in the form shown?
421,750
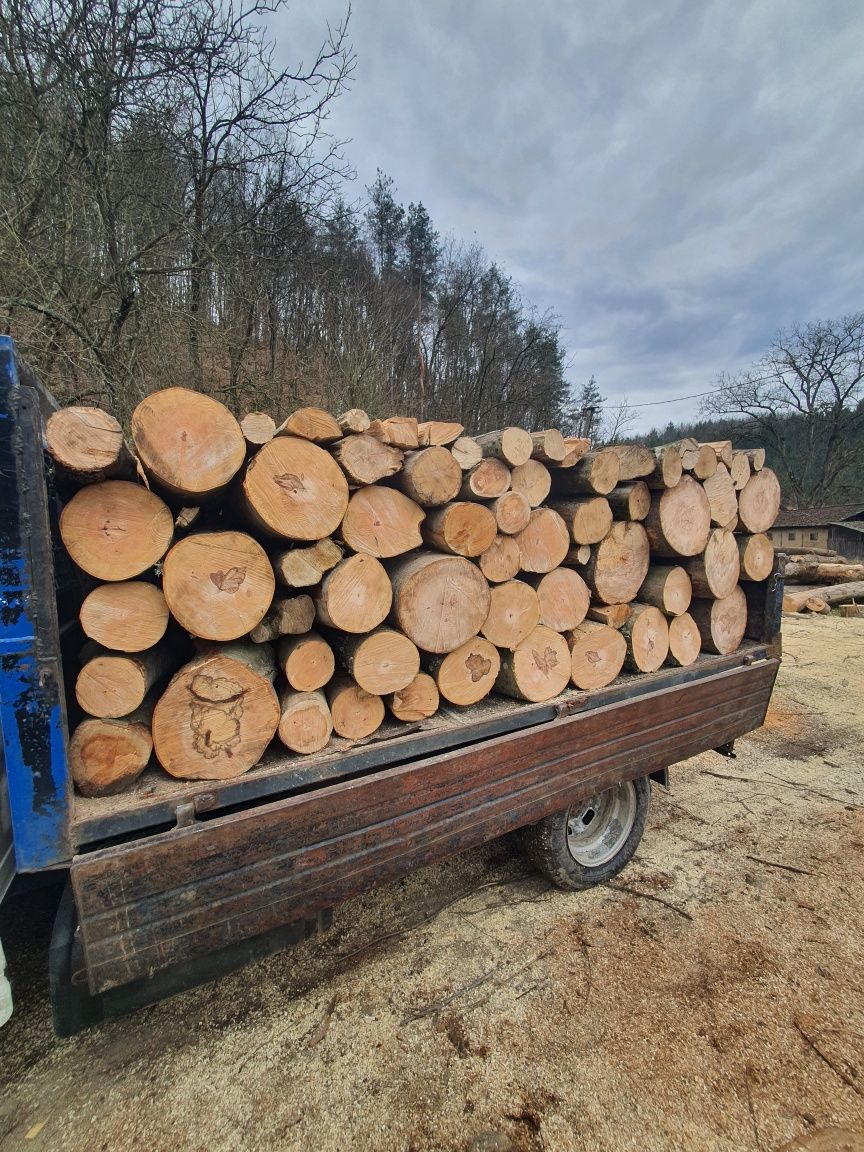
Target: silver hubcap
598,829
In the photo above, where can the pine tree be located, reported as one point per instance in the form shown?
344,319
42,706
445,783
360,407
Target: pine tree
588,410
422,249
386,220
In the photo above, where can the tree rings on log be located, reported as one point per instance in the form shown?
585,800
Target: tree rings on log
129,616
647,636
533,480
512,513
258,428
311,424
564,598
295,490
88,444
667,588
116,530
381,661
544,543
685,642
759,501
488,480
680,520
756,556
722,497
355,596
630,501
382,522
721,623
107,756
514,612
500,561
463,528
588,520
715,572
467,674
430,477
307,662
418,701
356,713
512,445
619,563
305,723
439,602
596,654
537,669
365,460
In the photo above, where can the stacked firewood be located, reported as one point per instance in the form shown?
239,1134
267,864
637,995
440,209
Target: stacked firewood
299,582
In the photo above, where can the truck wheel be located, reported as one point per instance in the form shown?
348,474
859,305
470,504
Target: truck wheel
590,842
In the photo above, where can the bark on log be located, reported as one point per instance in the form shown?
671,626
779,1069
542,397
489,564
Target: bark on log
834,594
647,636
501,560
548,446
466,452
685,643
715,573
398,431
588,520
354,420
486,481
596,654
430,477
706,462
365,460
188,443
311,424
439,602
116,530
801,573
382,522
461,528
258,428
537,669
759,501
218,585
305,723
130,616
576,447
87,445
514,612
740,470
722,497
756,557
596,473
356,713
187,518
564,598
722,450
355,596
629,502
467,674
442,432
381,662
512,445
613,615
512,513
417,702
307,662
287,616
579,555
295,490
533,480
305,567
544,543
668,468
635,461
113,684
108,756
721,623
667,588
679,522
619,563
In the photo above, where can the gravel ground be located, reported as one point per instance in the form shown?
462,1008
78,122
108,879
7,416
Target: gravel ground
712,997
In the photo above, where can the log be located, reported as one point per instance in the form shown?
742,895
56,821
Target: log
355,596
189,444
756,557
596,473
722,450
687,449
381,662
668,468
740,470
311,424
287,616
461,528
356,713
722,497
533,480
501,560
116,530
512,445
354,420
619,563
756,456
680,520
258,428
544,543
217,715
612,615
817,605
382,522
87,445
442,432
667,588
417,702
107,756
715,573
466,452
187,518
514,612
305,567
218,585
512,513
759,501
398,431
111,684
564,598
365,460
721,623
596,654
548,446
468,673
629,502
430,477
635,461
819,573
439,602
836,594
307,662
850,611
685,643
129,616
647,637
706,462
537,669
305,723
588,520
294,490
486,481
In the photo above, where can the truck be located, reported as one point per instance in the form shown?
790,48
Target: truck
176,883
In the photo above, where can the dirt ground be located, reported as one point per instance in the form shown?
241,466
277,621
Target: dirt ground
712,997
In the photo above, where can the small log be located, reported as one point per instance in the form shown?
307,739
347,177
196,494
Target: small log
512,445
668,468
87,445
759,501
548,446
533,480
619,563
715,573
680,520
116,530
756,557
817,605
467,674
835,594
588,520
111,684
355,596
311,424
706,462
850,610
382,522
514,612
381,662
629,502
512,513
305,723
564,598
129,616
107,756
187,518
667,588
722,450
635,461
486,481
417,702
354,420
576,448
580,555
189,444
647,636
439,602
740,470
596,654
218,585
305,567
721,623
439,432
685,643
430,477
294,490
356,713
688,450
596,473
820,573
461,528
307,662
612,615
756,456
258,428
544,543
365,460
501,560
722,497
287,616
537,669
466,452
397,431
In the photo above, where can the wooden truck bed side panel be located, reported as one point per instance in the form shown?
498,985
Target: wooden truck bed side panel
173,897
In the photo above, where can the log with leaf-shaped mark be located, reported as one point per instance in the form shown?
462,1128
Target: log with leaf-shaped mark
596,654
467,674
537,669
295,490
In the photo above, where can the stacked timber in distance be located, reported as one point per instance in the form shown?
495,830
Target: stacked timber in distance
256,584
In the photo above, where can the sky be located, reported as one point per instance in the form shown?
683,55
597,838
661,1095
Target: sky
675,180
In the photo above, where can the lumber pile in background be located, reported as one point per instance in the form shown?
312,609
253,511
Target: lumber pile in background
253,582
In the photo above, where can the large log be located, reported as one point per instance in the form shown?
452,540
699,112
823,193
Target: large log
466,452
756,556
354,420
667,588
596,654
468,673
382,522
381,662
835,594
286,616
218,585
107,756
311,424
356,713
819,573
307,662
512,445
486,481
588,520
398,431
512,513
668,468
295,490
417,702
444,432
114,684
366,460
629,501
564,598
544,543
116,530
715,573
462,528
722,497
721,623
685,643
258,428
619,563
501,560
439,602
188,443
355,596
533,480
759,501
635,461
305,567
129,616
305,723
87,445
647,636
514,612
596,473
430,477
548,446
680,520
217,715
537,669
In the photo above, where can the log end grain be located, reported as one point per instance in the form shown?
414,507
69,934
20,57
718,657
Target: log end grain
685,643
356,713
514,612
116,530
294,489
305,723
355,596
501,560
129,616
544,543
564,598
418,701
596,654
468,673
537,669
759,501
382,522
107,756
439,602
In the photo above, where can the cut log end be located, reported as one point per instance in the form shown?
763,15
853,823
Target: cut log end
116,530
533,480
512,513
355,596
307,662
756,556
108,756
512,445
129,616
439,602
759,501
715,572
486,481
382,522
430,477
685,642
721,623
294,489
537,669
514,612
462,529
258,428
418,701
680,520
88,444
305,723
619,563
366,460
667,588
468,673
500,561
564,598
596,654
647,636
311,424
380,662
544,543
356,713
588,520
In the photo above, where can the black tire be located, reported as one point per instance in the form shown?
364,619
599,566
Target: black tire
547,847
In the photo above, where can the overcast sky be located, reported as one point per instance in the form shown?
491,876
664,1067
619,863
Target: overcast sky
675,179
